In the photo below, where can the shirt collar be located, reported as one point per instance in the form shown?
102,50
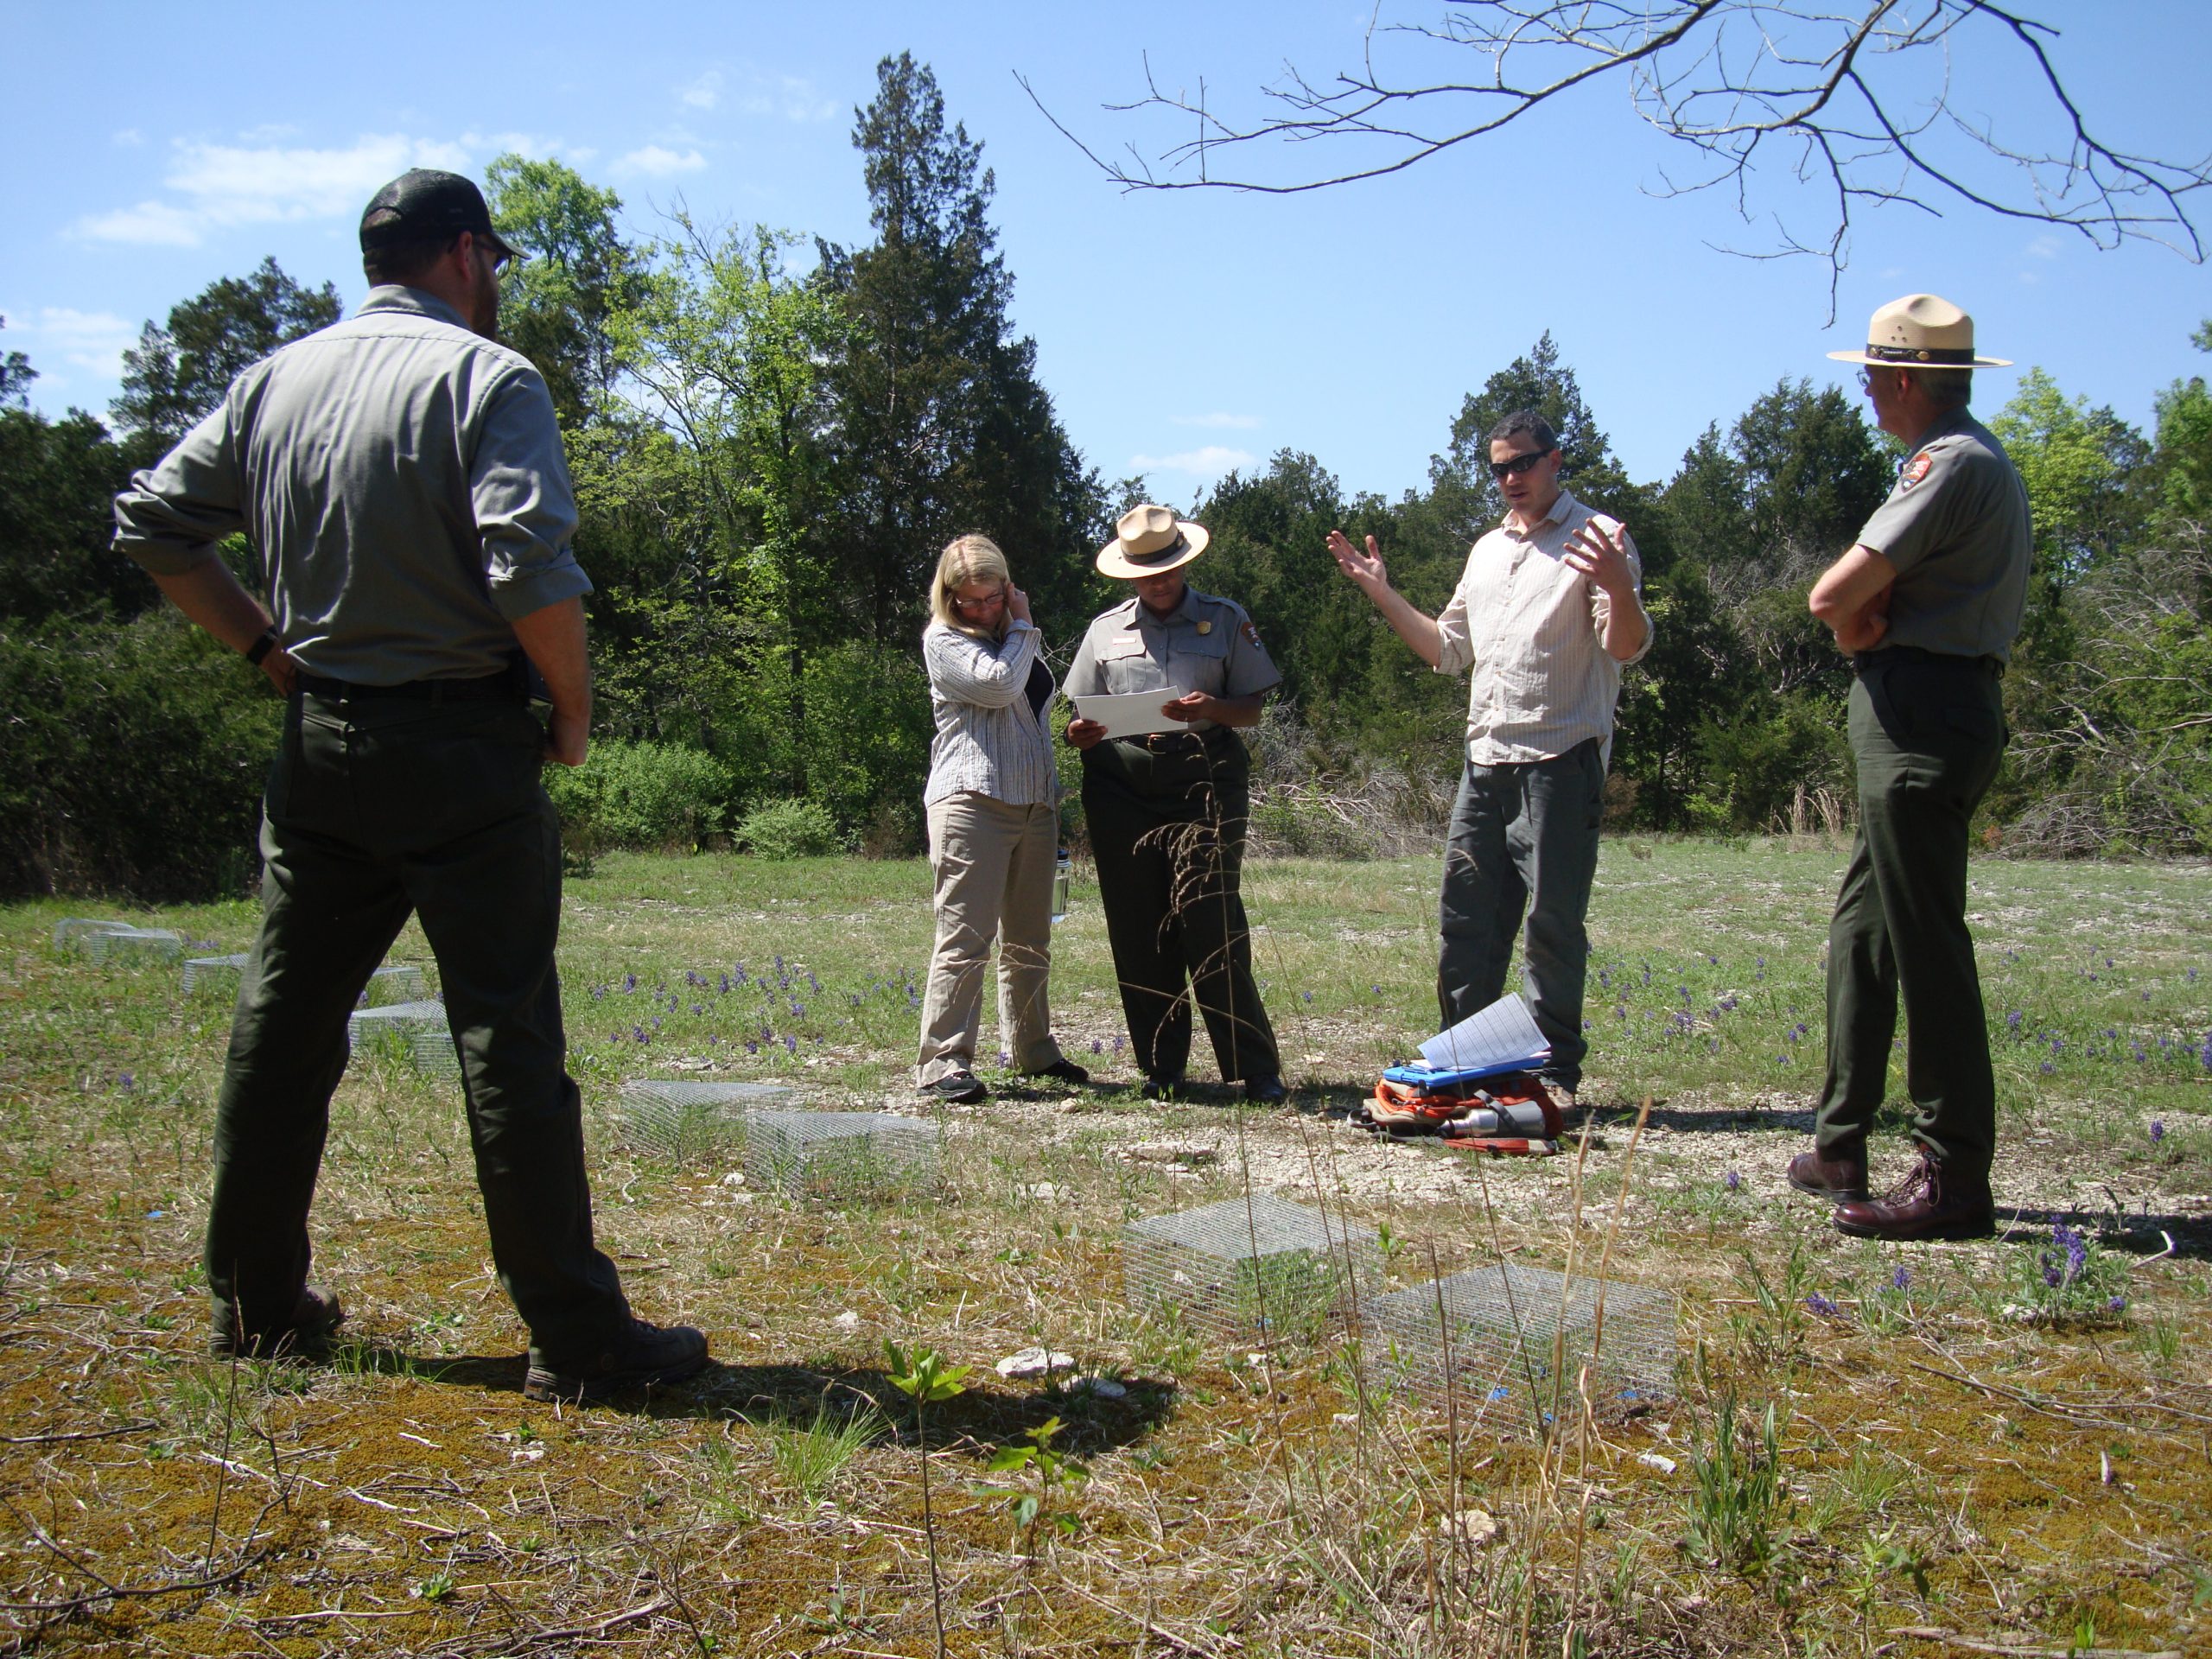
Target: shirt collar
416,302
1560,508
1186,610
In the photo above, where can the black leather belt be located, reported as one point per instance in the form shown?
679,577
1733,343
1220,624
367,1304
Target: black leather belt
504,686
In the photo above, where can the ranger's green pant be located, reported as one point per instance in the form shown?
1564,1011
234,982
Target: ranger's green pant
1167,825
1927,732
374,809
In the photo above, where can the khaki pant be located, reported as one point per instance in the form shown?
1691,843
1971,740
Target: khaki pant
993,865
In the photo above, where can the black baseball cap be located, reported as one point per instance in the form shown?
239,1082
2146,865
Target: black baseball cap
424,204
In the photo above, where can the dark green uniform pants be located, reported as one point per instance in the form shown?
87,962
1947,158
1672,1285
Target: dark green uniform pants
1927,733
1167,828
374,809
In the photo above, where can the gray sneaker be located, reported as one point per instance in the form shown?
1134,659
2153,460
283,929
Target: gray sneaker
643,1356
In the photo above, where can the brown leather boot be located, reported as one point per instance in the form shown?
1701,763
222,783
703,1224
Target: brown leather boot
1840,1176
1930,1205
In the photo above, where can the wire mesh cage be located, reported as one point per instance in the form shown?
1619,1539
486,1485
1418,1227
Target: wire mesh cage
415,1032
72,930
844,1156
689,1120
1251,1268
396,982
121,944
214,973
1508,1344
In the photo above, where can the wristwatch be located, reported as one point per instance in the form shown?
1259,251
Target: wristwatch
261,647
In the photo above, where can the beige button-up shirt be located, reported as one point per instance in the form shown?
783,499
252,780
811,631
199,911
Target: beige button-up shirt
1533,629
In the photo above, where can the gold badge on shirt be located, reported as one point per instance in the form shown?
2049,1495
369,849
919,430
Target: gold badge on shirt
1205,628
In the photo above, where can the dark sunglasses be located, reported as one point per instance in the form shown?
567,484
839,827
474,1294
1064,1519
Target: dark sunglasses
1501,470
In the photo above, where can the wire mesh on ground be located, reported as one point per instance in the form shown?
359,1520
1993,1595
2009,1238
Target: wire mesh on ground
415,1031
1508,1344
70,929
844,1157
1257,1267
398,981
114,943
689,1121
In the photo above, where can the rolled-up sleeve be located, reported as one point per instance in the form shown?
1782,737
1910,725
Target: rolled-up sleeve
174,514
1455,645
1601,602
526,506
963,670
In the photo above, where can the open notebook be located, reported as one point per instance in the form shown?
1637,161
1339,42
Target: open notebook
1501,1038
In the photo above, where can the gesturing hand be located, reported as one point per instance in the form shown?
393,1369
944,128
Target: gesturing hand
1367,569
1086,733
1603,558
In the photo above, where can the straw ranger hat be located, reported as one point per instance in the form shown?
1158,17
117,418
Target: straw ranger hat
1149,541
1920,331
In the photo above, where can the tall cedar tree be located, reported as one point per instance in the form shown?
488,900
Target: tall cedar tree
178,371
943,427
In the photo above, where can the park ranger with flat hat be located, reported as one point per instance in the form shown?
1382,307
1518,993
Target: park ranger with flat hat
1167,812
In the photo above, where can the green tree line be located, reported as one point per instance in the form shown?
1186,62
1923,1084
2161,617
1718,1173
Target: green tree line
772,437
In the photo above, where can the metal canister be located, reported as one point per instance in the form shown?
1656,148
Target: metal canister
1061,870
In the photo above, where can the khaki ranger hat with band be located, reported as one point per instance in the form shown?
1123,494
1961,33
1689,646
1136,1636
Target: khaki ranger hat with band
1150,541
1920,331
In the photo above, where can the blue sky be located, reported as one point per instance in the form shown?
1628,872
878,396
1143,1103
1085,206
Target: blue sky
146,150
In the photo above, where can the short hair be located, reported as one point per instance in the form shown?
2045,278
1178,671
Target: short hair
966,559
1526,420
406,261
1947,387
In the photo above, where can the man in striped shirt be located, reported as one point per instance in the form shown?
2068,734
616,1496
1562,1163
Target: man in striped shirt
1546,613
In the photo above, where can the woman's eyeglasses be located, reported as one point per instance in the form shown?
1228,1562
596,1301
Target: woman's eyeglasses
972,606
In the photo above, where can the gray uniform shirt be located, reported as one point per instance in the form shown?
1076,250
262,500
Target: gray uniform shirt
1956,528
1205,644
403,479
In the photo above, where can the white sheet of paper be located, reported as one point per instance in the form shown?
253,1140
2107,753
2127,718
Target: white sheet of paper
1504,1034
1131,714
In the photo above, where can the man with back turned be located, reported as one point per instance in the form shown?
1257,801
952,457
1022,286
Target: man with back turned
1926,603
401,475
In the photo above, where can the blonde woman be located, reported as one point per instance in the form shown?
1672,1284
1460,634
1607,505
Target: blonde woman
993,802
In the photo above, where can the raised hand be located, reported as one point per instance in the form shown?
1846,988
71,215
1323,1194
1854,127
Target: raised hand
1603,558
1366,569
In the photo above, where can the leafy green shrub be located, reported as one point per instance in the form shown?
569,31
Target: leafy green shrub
869,727
653,796
134,758
788,829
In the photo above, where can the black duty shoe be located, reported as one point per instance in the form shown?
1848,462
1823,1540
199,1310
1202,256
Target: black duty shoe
642,1357
306,1335
1063,1070
1268,1090
1162,1089
958,1088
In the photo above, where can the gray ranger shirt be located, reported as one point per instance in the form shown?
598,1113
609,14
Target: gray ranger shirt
1205,644
1956,528
403,479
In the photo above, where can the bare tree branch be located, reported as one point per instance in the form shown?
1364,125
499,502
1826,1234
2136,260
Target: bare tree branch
1861,91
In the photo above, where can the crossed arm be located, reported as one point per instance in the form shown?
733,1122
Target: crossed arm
1853,598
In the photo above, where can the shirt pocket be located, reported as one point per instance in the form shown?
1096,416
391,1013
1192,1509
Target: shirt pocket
1200,662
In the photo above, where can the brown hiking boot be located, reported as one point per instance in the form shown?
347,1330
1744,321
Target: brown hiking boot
1930,1205
1840,1177
642,1356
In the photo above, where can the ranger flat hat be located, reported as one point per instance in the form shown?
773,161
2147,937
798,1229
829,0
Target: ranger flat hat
1149,541
424,203
1920,331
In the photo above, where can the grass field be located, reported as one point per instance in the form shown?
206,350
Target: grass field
1863,1450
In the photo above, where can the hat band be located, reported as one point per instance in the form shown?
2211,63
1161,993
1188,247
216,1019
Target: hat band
1178,545
1948,355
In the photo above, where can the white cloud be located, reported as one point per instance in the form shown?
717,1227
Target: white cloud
129,137
655,163
1211,461
2044,247
1242,423
792,96
703,94
225,184
89,340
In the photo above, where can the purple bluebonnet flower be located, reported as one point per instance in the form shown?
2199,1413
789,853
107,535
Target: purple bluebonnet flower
798,1008
597,992
725,985
2047,1068
2204,1054
2158,1130
656,1022
2013,1021
1821,1305
629,982
1097,1047
2117,1305
1309,996
698,1008
751,1047
791,1044
1731,1180
639,1032
1118,1042
127,1081
1902,1279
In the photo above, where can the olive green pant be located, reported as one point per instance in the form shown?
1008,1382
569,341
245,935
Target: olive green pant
1927,733
376,809
1167,829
